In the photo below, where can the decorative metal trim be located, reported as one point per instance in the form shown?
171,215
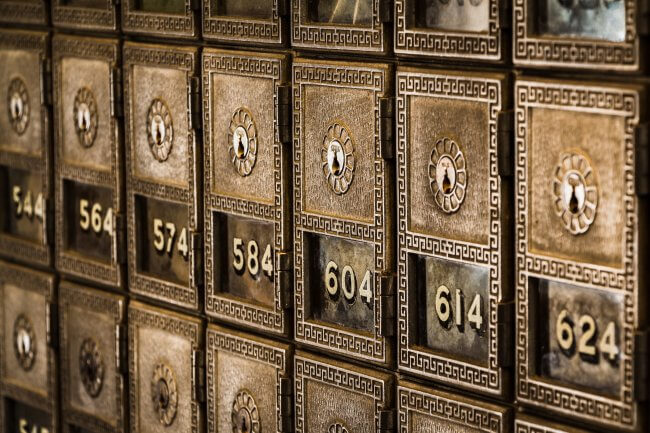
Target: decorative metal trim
338,158
18,105
24,342
242,141
448,187
85,116
243,30
160,130
245,416
91,367
164,394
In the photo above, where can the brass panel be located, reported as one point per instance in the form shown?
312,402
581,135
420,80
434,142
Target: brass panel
333,396
455,259
161,18
24,11
456,29
163,173
164,374
423,409
90,205
92,358
28,367
343,206
597,35
581,306
246,21
341,25
85,14
25,151
249,385
529,424
247,180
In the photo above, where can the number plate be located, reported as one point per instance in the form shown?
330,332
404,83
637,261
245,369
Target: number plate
452,29
454,256
333,396
162,18
423,410
246,21
249,384
343,198
580,330
528,424
91,333
341,25
24,11
90,205
165,370
598,34
25,155
163,189
247,177
85,14
28,375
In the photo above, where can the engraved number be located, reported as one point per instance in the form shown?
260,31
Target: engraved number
26,206
252,259
267,261
564,333
348,282
445,312
253,262
94,219
166,244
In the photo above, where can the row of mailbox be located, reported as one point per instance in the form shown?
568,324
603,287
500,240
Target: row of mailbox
422,218
177,368
596,34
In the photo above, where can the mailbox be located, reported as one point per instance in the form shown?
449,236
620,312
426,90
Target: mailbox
94,15
24,12
529,424
161,18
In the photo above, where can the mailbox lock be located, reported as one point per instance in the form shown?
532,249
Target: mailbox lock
91,367
85,116
242,141
245,416
447,175
575,194
164,394
337,155
337,427
160,130
24,344
18,105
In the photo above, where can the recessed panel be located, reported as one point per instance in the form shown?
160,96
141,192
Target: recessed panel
162,18
23,198
603,20
459,15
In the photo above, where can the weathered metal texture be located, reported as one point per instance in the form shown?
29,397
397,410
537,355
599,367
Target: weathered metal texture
161,18
24,12
455,260
90,206
581,209
163,173
343,208
28,365
94,15
26,189
249,383
248,248
165,371
529,424
93,357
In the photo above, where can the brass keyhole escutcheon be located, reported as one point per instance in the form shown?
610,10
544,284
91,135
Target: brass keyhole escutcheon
160,130
337,156
245,415
18,105
85,116
24,342
447,175
242,141
337,427
91,367
575,192
164,394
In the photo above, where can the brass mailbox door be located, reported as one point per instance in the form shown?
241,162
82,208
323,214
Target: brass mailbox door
337,397
93,359
343,207
455,261
96,15
453,29
165,371
24,12
581,211
602,35
529,424
248,249
161,18
249,386
341,25
28,367
25,155
259,22
163,169
423,410
90,205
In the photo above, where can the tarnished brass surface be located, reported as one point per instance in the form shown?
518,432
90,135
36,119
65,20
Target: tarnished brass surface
529,424
160,18
24,11
581,317
246,21
92,354
97,15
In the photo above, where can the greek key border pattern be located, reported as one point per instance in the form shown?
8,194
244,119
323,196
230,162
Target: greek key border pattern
134,21
23,12
234,29
85,17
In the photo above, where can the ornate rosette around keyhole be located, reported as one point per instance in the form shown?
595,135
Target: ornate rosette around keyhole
242,141
337,427
18,105
85,116
245,416
447,175
575,192
24,342
91,367
337,155
164,394
160,130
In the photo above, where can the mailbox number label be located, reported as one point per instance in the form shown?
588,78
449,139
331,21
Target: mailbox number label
92,217
27,205
586,340
165,236
445,312
347,282
250,258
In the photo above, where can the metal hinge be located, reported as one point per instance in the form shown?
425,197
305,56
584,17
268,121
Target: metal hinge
284,114
642,159
284,265
505,14
386,11
120,239
48,225
387,287
198,371
52,324
386,421
121,349
386,127
643,17
196,257
195,5
641,365
46,80
283,7
286,404
505,335
195,102
505,142
116,92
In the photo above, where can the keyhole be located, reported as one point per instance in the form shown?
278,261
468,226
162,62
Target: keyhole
23,342
244,426
240,147
158,134
16,105
163,394
446,182
336,165
573,201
